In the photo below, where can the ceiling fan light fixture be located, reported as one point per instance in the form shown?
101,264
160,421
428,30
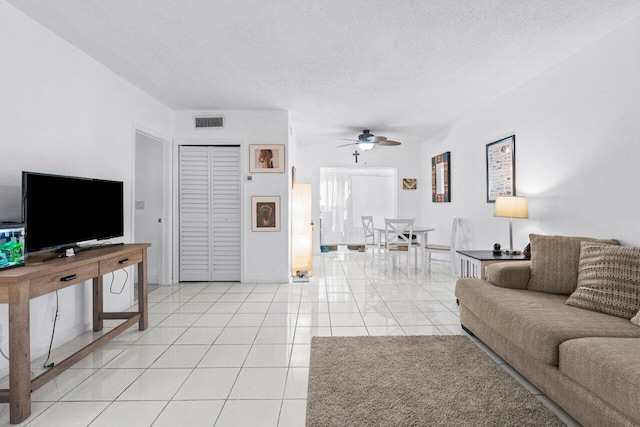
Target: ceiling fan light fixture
365,136
366,146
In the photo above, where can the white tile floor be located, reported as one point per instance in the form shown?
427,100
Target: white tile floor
229,354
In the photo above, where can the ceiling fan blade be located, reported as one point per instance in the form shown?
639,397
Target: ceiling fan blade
376,138
389,142
344,145
344,139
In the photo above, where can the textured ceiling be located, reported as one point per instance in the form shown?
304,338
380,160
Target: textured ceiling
405,69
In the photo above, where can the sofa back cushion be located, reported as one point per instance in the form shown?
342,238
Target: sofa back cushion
554,262
608,280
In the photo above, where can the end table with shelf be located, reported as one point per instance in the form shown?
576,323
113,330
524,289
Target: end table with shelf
473,263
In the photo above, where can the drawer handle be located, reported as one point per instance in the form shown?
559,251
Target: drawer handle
68,278
122,261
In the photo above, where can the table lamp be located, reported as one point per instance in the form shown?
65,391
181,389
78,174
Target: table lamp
511,207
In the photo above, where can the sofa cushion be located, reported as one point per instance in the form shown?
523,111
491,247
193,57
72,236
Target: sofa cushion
608,280
514,274
608,368
554,262
537,322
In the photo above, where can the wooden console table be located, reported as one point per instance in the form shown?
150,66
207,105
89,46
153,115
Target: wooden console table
473,263
19,285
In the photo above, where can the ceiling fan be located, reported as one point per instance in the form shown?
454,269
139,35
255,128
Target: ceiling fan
367,141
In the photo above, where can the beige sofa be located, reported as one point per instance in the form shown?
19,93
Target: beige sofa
586,361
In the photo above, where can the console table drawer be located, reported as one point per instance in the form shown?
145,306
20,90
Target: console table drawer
120,261
49,283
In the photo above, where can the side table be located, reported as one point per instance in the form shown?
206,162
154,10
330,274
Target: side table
473,263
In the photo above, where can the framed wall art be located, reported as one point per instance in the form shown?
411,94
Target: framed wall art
266,158
501,168
441,178
409,183
265,213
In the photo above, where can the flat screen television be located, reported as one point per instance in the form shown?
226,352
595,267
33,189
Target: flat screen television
61,211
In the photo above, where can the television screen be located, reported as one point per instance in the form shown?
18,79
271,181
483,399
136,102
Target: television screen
61,211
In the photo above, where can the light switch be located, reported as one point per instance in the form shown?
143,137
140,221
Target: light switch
139,204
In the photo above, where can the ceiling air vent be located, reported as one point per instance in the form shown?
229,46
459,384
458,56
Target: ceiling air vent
209,122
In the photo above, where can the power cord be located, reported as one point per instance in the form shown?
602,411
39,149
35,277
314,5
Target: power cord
3,355
113,276
55,320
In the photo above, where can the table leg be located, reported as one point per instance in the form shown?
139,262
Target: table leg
379,247
19,353
97,304
424,251
380,250
143,292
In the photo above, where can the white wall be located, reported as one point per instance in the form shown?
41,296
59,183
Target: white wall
62,112
407,158
577,133
265,255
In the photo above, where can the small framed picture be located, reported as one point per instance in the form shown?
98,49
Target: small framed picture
265,213
409,183
266,158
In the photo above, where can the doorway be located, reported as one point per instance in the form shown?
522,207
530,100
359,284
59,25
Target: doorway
149,204
209,212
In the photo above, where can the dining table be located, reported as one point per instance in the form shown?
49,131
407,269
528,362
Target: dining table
421,232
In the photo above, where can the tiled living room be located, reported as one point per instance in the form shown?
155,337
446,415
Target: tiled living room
175,141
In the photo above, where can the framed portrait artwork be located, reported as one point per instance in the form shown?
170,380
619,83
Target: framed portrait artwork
441,178
265,213
266,158
409,183
501,168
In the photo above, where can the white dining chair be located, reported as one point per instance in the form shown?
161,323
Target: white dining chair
369,238
448,252
399,240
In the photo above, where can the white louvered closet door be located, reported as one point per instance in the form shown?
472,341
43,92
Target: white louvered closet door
209,213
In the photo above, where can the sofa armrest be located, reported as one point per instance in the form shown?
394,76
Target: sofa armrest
513,275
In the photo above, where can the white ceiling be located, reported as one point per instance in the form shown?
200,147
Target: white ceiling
404,69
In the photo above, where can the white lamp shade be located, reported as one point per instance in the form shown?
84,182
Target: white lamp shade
366,146
511,207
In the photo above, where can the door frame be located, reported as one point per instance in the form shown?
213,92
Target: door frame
165,273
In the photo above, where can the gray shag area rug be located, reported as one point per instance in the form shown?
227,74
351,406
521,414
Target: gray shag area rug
414,381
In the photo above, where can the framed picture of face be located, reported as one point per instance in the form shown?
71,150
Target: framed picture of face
265,213
266,158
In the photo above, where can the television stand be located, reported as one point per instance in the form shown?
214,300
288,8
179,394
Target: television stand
20,285
77,248
64,249
96,246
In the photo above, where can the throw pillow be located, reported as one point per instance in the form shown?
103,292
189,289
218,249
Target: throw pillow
554,262
608,280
